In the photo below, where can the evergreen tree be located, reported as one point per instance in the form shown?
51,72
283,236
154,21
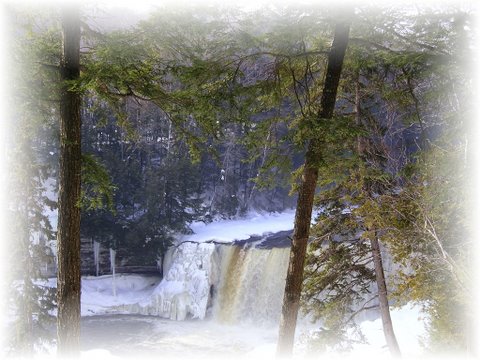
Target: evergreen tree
157,187
400,121
306,193
29,164
29,237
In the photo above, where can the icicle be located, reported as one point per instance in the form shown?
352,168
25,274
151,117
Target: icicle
112,265
96,256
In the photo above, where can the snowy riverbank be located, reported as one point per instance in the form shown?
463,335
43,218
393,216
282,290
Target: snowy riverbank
198,338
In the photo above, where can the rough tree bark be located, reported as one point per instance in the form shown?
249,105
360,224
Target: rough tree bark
68,236
303,214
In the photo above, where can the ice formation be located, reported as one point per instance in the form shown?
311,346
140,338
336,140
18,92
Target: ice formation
190,270
96,256
112,266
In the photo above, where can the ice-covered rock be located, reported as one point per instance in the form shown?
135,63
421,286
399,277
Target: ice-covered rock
190,269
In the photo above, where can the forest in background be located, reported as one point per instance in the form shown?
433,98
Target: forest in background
205,113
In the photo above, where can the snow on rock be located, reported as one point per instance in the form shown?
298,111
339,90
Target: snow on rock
240,229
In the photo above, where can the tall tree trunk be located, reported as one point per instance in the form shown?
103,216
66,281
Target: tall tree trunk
374,243
303,214
383,299
68,237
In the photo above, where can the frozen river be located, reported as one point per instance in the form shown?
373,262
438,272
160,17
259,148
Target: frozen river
137,336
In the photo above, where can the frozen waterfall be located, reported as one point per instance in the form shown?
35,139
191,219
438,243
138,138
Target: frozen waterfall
229,282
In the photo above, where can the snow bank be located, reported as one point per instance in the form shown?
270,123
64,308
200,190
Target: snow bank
98,296
409,327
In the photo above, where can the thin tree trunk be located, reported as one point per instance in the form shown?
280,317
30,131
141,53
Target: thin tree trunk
68,237
303,214
377,256
383,299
